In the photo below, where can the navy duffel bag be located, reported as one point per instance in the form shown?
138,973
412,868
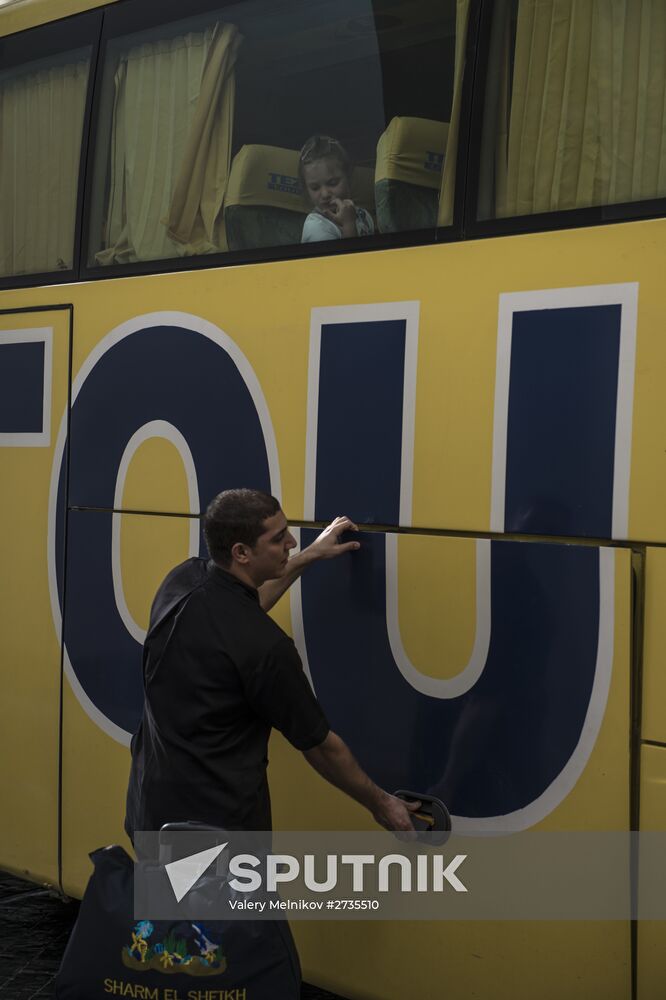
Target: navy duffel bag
110,953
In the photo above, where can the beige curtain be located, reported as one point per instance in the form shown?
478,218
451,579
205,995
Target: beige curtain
41,123
445,216
171,147
588,118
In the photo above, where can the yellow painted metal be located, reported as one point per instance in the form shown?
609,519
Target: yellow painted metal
96,767
95,772
654,653
155,466
30,13
265,309
29,636
149,548
652,933
456,353
486,960
437,605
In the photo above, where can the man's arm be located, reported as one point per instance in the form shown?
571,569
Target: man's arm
327,545
335,762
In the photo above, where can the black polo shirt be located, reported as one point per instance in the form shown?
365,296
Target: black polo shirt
218,674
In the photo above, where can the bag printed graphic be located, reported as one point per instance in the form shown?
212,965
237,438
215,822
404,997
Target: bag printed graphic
110,953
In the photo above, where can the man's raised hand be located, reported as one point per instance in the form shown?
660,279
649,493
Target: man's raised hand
327,545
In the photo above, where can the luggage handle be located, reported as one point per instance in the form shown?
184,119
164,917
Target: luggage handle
432,813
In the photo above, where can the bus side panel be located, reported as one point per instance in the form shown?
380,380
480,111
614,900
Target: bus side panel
439,600
28,15
652,933
413,955
654,673
472,423
121,332
34,361
108,674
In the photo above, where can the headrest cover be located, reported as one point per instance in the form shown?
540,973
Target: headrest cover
265,175
412,150
268,175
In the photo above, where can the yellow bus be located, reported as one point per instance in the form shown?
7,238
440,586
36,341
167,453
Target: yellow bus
476,377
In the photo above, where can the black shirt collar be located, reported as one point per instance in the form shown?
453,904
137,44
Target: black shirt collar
227,579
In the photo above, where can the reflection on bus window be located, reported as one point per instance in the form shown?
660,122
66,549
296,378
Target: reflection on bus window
162,161
325,173
574,106
202,121
42,106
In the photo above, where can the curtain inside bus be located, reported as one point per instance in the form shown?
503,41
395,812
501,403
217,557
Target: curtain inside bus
586,122
41,121
445,215
170,149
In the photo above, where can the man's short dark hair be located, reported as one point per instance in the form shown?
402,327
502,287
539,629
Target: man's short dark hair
236,516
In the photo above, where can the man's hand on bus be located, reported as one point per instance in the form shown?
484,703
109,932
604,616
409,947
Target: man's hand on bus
327,545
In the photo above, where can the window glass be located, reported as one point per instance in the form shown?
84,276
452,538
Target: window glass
202,123
42,108
163,149
574,111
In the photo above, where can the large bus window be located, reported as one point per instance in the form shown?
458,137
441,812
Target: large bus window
271,123
574,111
43,92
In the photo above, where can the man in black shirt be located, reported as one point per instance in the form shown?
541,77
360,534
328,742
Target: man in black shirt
219,673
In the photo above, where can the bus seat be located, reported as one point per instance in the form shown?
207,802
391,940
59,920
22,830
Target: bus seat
363,188
408,174
264,205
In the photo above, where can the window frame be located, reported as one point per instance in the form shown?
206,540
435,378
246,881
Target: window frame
42,41
538,222
124,17
456,231
97,26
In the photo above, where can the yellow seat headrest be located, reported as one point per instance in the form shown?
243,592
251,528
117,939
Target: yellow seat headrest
265,175
412,150
268,175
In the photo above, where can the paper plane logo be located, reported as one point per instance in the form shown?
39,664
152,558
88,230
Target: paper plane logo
183,874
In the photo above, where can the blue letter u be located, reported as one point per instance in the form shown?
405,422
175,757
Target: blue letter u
503,743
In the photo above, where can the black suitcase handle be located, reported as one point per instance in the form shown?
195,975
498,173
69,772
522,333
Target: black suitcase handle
432,817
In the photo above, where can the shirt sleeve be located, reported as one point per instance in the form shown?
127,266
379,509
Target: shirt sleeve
317,227
280,693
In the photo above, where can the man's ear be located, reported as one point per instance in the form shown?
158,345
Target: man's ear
239,553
